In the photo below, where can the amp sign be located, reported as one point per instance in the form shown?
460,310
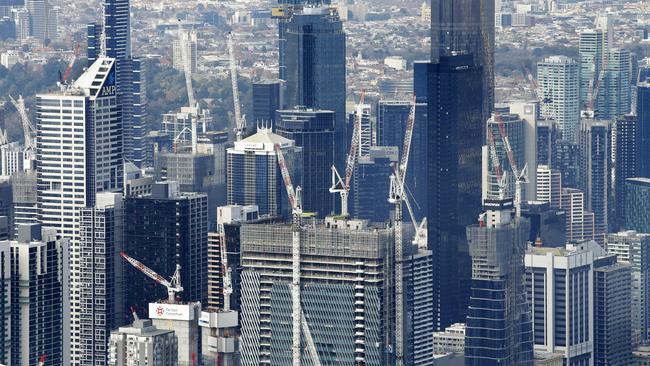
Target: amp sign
109,88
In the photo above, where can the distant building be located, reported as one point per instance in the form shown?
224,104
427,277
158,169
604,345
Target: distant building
547,136
24,199
21,17
626,161
313,131
395,62
555,278
559,87
165,229
634,248
40,295
370,186
643,128
547,224
637,204
267,99
498,295
186,60
254,176
142,344
595,138
580,223
567,160
514,129
452,340
549,186
614,96
352,281
9,59
593,49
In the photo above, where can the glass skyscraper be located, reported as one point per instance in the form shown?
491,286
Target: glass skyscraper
637,204
643,129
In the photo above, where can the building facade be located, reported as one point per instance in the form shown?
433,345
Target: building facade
267,98
142,343
559,87
637,204
643,128
626,161
371,184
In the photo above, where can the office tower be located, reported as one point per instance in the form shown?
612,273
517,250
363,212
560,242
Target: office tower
392,116
21,17
354,282
614,93
37,18
24,199
626,163
189,40
499,329
637,204
452,339
562,280
200,172
466,26
313,131
7,26
567,160
94,147
418,282
612,319
547,224
130,73
529,114
454,144
634,248
643,128
549,186
6,304
99,278
593,49
312,62
267,98
254,176
595,171
39,296
94,42
53,13
580,223
136,182
547,136
514,132
370,185
559,88
142,343
165,229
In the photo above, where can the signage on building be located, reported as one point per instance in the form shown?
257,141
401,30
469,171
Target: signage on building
109,88
170,311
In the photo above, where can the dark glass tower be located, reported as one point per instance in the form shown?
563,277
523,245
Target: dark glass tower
626,162
132,95
312,62
266,100
643,131
454,140
313,130
466,26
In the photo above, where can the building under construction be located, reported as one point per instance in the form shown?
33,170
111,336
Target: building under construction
346,293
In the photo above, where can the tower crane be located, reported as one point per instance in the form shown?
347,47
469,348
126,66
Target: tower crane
240,121
339,185
298,317
68,69
521,177
173,285
396,196
194,112
594,88
29,131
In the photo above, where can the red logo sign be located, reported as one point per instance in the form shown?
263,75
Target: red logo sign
160,311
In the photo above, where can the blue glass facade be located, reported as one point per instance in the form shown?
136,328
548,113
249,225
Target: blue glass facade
643,129
637,204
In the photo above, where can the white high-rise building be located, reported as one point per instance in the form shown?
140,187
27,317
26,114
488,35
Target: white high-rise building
549,186
142,343
21,18
78,153
559,87
189,40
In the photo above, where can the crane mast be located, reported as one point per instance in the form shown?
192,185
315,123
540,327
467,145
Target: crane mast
173,286
191,101
240,121
296,224
521,177
29,131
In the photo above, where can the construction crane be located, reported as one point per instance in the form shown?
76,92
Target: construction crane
311,347
296,227
226,272
594,88
396,196
240,121
68,69
521,177
173,285
29,131
339,185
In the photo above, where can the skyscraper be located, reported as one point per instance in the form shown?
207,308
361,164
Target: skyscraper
99,279
267,98
595,175
143,343
370,184
562,280
514,128
254,177
593,49
313,131
580,223
549,186
188,40
466,26
499,328
547,136
626,161
559,85
39,296
165,229
454,143
312,62
614,97
643,128
637,204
